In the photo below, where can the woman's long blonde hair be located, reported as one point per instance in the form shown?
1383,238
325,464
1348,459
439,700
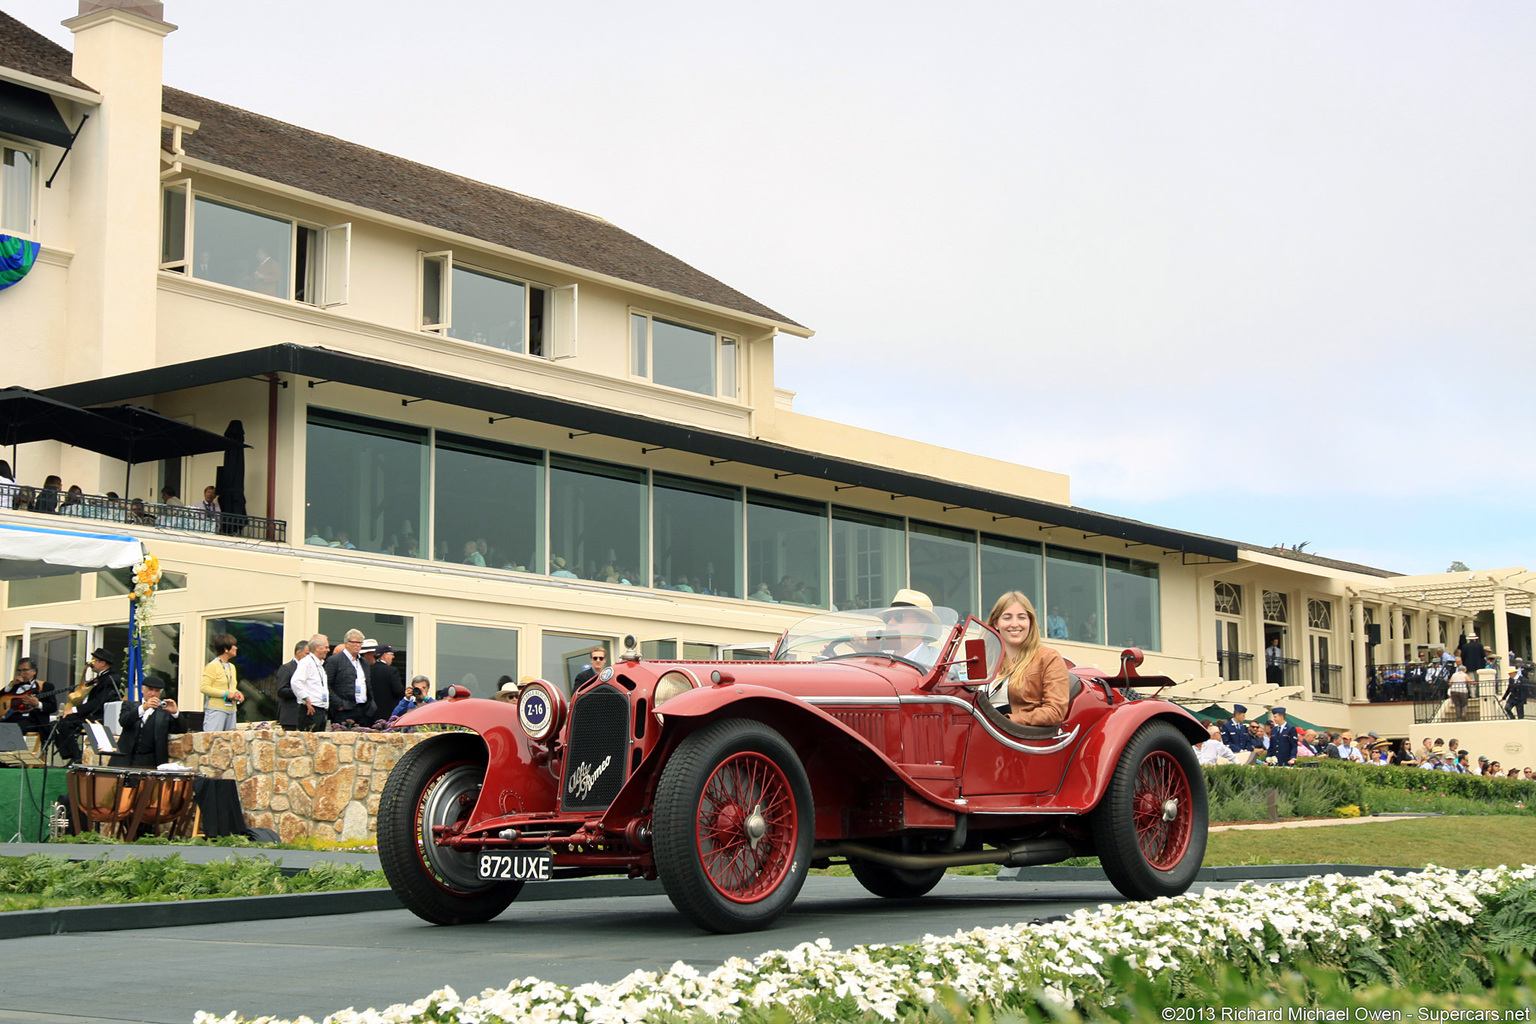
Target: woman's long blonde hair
1017,663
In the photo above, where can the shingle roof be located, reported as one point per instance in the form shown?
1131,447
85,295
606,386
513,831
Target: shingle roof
270,149
23,49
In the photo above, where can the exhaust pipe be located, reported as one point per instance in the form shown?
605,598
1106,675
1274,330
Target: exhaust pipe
1014,855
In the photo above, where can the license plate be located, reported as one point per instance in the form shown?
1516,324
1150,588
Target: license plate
521,866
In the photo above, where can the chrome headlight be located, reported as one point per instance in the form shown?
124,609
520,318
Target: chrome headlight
670,685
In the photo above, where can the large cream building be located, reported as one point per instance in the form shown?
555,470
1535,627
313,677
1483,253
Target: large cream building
493,432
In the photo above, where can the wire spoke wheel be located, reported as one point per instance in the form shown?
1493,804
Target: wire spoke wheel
1149,828
1163,811
733,826
746,830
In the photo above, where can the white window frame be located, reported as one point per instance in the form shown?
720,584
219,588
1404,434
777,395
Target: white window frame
559,305
332,274
34,197
728,390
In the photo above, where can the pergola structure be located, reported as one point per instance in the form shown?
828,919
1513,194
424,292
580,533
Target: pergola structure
1455,598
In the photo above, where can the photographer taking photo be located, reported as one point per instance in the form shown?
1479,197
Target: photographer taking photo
417,694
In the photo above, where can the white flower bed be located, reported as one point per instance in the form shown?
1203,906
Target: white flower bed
1316,917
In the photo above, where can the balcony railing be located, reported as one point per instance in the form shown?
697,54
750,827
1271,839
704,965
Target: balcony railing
1483,705
1415,681
137,512
1234,665
1290,674
1328,683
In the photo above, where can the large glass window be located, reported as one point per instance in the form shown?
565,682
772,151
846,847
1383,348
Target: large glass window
18,171
679,356
163,662
1132,603
394,630
365,484
597,521
786,549
118,582
1008,564
259,637
869,558
242,248
478,657
489,505
1074,595
944,566
478,306
566,654
43,590
696,536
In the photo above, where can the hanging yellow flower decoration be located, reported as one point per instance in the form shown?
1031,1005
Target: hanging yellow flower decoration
146,577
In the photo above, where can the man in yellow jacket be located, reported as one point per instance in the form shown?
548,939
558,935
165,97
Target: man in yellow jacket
221,689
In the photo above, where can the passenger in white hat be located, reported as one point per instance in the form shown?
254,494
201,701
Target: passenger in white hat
916,628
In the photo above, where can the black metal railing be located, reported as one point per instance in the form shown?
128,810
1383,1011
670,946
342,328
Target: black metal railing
1328,683
1290,671
1415,681
1482,704
99,508
1234,665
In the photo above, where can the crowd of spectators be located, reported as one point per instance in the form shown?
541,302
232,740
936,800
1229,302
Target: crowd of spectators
52,498
1238,741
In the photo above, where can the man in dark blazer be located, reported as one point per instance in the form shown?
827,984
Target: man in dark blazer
147,727
347,679
104,689
287,705
384,685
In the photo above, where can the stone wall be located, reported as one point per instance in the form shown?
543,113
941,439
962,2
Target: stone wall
322,784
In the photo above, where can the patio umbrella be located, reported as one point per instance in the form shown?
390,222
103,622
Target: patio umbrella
143,435
230,479
26,416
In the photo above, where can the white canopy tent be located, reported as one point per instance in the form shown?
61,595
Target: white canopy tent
27,552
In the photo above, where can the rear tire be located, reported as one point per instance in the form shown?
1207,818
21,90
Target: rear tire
733,824
437,783
1150,827
895,883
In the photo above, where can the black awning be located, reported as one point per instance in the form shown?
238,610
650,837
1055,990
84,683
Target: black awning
32,115
500,400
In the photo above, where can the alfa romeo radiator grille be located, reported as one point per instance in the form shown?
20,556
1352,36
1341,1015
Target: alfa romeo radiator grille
595,762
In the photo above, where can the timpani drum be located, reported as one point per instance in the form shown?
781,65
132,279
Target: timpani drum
119,801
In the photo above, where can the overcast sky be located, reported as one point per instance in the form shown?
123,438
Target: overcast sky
1261,270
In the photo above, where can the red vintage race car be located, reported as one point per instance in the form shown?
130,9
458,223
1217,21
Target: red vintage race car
859,741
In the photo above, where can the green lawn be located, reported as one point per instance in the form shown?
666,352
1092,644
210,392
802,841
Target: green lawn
1452,842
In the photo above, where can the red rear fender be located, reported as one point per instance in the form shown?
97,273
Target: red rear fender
515,779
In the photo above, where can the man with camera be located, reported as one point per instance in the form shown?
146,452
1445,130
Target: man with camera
417,694
147,727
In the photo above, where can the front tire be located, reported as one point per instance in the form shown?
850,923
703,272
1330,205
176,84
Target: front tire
734,824
1150,826
436,783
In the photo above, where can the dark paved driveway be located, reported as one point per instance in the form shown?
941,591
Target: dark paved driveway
315,966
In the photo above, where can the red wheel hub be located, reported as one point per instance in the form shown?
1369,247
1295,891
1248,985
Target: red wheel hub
747,827
1163,810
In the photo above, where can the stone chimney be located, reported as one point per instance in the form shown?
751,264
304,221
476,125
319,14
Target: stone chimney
114,183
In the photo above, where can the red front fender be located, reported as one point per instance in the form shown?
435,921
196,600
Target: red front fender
515,780
1090,772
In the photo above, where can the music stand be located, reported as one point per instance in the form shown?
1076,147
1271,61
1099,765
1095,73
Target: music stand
13,748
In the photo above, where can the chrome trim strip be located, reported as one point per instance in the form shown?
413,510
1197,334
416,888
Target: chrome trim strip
1062,740
833,701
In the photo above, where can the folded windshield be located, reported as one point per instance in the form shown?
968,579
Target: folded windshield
912,634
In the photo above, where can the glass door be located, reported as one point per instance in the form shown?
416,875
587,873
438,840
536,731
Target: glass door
62,652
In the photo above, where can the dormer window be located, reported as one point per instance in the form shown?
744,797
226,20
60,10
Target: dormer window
471,304
255,251
679,356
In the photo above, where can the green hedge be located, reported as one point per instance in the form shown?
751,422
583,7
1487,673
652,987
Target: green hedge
1237,792
1417,780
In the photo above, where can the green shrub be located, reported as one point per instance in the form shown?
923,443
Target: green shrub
1237,792
133,880
1417,780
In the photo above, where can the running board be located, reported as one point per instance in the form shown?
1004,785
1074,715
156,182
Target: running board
1016,855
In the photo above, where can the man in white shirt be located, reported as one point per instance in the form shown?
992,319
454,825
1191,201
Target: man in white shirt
1347,749
309,686
1213,751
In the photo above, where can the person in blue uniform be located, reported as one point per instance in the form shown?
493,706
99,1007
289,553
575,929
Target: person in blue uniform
1282,737
1234,731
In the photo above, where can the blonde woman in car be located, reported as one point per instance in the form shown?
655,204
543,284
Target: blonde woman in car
1036,674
